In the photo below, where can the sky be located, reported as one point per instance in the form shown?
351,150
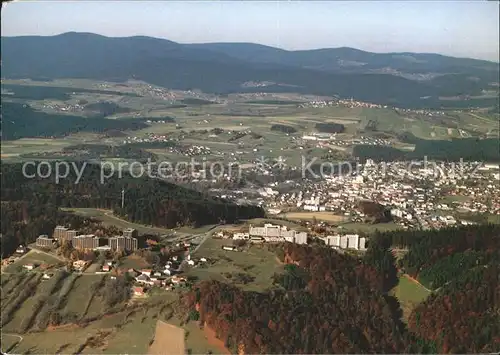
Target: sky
456,28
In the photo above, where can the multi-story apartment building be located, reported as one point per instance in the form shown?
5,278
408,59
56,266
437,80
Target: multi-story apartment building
62,233
130,233
44,241
343,242
300,238
122,243
274,232
352,241
89,241
333,241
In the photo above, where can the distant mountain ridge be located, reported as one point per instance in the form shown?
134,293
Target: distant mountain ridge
225,67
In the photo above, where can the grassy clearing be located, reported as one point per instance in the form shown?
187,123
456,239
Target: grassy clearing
13,149
109,219
255,261
409,294
80,294
198,340
33,257
369,228
133,262
320,216
23,309
125,333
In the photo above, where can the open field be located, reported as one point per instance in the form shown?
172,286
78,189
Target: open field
33,257
169,339
124,332
80,295
7,341
256,261
13,149
237,114
132,262
120,333
409,294
320,216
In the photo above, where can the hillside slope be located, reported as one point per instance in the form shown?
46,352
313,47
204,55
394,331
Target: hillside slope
224,68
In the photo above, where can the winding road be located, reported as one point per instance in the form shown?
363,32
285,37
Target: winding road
14,345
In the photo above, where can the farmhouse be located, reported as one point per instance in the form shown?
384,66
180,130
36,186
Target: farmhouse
138,291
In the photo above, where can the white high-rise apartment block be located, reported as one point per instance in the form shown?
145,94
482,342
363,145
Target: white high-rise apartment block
352,241
343,242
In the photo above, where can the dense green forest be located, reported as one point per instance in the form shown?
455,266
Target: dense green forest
328,302
427,248
39,92
469,149
325,303
283,128
21,121
147,201
330,127
105,108
453,266
22,222
464,316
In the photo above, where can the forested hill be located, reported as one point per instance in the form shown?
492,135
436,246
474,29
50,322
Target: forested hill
220,69
326,302
147,201
19,121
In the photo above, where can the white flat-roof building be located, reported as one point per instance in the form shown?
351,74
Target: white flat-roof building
362,243
343,242
352,241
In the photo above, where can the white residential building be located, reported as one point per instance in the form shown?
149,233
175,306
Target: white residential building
362,243
352,241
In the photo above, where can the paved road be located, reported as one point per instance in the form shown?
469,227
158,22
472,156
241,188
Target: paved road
204,236
17,344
